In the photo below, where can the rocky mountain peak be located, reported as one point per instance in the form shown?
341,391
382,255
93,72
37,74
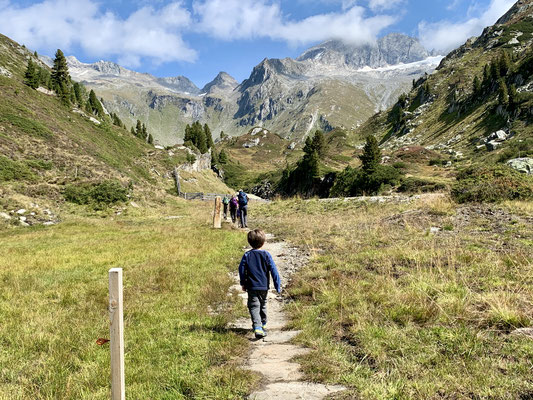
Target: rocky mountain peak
180,84
392,49
223,82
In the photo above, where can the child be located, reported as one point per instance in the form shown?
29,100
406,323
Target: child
254,271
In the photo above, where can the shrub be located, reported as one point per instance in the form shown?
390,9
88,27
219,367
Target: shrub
355,182
98,194
492,184
13,170
417,185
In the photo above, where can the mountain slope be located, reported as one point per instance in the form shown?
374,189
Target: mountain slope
444,111
46,146
330,85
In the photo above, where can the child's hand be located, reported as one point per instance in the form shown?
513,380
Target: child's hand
243,288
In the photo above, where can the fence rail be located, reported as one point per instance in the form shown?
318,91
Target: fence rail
202,196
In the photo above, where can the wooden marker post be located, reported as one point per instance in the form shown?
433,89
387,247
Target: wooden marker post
217,218
116,332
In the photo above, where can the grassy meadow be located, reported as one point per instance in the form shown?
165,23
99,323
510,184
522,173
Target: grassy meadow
54,298
394,311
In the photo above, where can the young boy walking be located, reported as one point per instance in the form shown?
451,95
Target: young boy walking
254,272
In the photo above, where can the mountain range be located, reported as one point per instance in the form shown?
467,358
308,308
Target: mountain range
333,84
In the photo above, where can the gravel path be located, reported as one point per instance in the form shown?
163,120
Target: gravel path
273,356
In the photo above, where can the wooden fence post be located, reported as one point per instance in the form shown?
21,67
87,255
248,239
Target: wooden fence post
177,179
217,220
116,333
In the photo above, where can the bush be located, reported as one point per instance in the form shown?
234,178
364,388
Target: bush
492,184
98,194
355,182
13,170
417,185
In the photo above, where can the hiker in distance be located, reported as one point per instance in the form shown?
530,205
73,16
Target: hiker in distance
243,208
255,270
233,204
225,202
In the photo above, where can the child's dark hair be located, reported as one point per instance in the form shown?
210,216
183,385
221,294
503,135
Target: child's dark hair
256,238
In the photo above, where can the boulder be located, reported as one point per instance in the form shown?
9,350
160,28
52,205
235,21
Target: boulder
523,332
4,215
498,135
492,145
524,165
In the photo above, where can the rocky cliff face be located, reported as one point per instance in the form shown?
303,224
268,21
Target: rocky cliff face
330,85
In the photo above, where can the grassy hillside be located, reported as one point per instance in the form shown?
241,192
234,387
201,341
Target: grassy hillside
46,146
413,300
444,112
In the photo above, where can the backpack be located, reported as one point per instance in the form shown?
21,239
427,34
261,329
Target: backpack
243,199
233,202
225,200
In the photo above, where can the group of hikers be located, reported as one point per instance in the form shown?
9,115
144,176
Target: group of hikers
238,208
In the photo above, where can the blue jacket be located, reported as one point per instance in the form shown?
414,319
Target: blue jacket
255,269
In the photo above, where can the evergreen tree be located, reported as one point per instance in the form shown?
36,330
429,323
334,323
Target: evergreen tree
222,157
64,93
150,139
308,146
513,98
371,156
60,75
503,94
477,86
139,129
188,134
209,137
31,77
494,71
96,106
35,54
144,133
132,130
202,141
486,75
76,87
504,64
319,143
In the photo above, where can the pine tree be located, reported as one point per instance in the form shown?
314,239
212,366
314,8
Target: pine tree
64,93
222,157
201,138
371,156
308,146
31,77
60,75
132,130
139,129
319,143
477,86
503,94
486,75
150,139
505,64
513,98
96,106
78,93
208,137
144,132
494,71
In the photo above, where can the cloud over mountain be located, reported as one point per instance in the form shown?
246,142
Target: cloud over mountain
447,35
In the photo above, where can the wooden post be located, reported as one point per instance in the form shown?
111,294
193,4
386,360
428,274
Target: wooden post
116,333
177,179
217,220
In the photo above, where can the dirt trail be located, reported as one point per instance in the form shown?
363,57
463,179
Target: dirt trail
273,356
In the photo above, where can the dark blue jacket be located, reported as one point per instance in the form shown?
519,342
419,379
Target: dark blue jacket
255,269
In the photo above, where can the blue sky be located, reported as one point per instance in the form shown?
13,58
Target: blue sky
199,38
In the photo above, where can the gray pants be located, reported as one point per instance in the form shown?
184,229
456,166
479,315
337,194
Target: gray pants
244,216
257,305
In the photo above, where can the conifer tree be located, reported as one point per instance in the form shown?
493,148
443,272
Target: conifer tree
132,130
60,75
504,64
76,87
144,133
139,129
319,143
31,77
371,156
150,139
477,86
503,94
96,106
222,157
513,98
208,137
201,138
64,93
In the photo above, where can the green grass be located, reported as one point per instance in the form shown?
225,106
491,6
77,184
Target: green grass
53,307
395,312
14,170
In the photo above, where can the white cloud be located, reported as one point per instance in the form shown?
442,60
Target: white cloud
148,33
376,5
447,35
247,19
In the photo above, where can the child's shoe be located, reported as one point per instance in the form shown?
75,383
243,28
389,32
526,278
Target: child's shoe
264,330
259,333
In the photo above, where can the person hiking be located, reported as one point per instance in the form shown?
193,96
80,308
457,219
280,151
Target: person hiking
233,204
255,269
243,208
225,202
